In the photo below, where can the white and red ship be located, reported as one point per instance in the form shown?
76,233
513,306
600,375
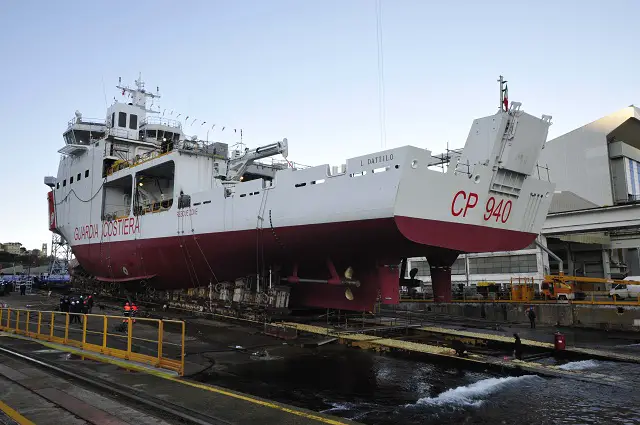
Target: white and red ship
138,201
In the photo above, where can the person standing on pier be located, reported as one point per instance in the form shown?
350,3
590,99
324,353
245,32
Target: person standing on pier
517,347
532,317
75,309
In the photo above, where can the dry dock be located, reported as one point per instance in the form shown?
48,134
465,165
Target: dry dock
505,364
204,403
61,381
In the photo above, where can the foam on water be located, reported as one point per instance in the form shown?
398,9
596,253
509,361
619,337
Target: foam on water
628,345
350,410
474,394
340,406
580,365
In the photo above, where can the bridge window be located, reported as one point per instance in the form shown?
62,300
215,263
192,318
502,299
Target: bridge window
86,174
122,119
64,182
133,122
78,177
58,185
113,119
71,180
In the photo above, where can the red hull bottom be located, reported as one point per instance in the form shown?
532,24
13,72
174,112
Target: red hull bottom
368,246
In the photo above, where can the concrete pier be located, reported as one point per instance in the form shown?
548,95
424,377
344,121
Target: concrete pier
604,317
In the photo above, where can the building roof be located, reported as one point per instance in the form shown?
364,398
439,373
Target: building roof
623,121
565,200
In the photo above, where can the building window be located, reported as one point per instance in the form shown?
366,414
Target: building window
122,119
86,174
422,266
457,268
133,122
71,180
504,264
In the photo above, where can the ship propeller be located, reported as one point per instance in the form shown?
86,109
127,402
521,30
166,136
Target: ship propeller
348,274
348,294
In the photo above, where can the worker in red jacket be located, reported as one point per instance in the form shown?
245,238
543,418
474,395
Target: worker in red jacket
134,311
127,312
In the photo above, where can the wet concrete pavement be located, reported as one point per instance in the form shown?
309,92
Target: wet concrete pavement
46,399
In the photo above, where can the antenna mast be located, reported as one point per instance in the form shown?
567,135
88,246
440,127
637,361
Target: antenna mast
503,82
139,95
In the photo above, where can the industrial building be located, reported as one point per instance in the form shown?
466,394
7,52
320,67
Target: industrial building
594,220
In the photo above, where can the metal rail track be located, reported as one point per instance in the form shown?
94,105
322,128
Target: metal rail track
135,397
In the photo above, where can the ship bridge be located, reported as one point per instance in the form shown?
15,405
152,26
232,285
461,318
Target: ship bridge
160,131
80,133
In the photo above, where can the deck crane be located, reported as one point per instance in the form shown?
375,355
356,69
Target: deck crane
238,165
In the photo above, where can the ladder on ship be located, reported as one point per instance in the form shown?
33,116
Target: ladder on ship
260,235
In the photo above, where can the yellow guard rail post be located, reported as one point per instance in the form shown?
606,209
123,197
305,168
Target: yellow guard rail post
146,341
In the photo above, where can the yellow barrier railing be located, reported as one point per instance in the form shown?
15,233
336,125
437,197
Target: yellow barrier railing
159,343
589,300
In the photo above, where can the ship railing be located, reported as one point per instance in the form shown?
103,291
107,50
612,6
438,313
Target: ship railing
199,147
152,208
151,120
121,164
281,164
117,215
590,298
87,121
100,336
543,172
118,132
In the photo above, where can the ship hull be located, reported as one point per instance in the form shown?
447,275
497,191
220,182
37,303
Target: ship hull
177,219
369,246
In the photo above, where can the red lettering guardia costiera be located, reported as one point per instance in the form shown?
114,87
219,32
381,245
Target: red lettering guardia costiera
90,231
121,226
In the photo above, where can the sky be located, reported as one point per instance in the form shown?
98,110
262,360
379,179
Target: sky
306,70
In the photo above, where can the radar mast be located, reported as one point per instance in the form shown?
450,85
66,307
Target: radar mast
139,95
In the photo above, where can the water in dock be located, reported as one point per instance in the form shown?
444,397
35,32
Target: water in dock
375,389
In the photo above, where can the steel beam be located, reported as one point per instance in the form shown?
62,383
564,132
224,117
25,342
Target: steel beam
621,243
593,220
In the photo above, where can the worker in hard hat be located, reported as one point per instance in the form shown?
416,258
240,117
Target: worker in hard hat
532,317
127,311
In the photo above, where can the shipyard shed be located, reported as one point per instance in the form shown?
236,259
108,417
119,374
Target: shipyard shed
593,224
